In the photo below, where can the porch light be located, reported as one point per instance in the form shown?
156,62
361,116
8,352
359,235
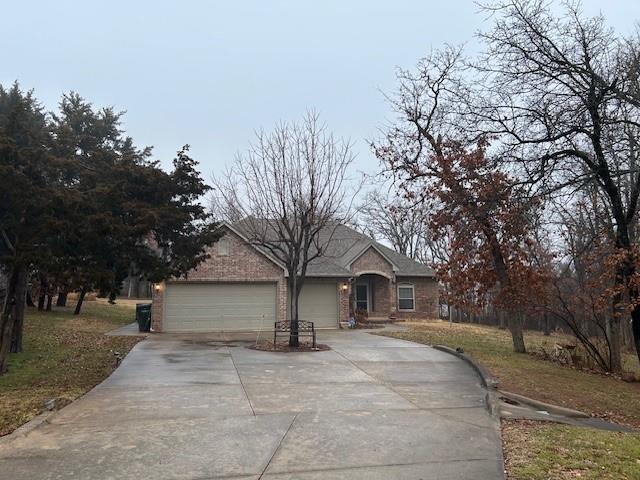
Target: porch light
345,286
157,287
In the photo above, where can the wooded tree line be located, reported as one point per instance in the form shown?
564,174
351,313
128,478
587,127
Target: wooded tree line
523,164
515,174
82,207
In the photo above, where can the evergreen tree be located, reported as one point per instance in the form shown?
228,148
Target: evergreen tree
28,203
80,204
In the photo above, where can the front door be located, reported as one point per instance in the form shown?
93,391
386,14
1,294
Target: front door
362,296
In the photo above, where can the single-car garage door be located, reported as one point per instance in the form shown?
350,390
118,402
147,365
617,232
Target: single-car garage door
210,307
319,304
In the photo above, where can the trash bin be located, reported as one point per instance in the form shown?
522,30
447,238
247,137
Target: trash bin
143,316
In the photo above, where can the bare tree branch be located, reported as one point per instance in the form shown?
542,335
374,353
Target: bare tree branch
288,194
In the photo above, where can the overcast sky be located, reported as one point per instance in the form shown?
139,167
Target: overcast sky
209,73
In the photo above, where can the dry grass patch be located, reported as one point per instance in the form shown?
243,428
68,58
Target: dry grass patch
544,451
64,356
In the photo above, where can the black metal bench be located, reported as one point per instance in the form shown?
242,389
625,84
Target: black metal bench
305,329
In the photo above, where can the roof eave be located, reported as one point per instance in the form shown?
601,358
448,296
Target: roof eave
329,275
402,274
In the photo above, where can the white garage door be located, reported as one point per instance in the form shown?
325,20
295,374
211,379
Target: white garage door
210,307
319,304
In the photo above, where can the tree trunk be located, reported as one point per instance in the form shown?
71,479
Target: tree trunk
130,289
615,339
501,319
41,298
83,292
627,336
6,332
49,301
18,312
546,324
514,322
7,319
294,340
635,327
30,299
624,272
62,299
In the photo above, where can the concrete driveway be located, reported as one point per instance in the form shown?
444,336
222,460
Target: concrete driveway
183,407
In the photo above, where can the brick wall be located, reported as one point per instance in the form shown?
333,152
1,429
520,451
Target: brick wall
242,264
372,261
393,298
343,299
157,308
382,288
426,298
385,292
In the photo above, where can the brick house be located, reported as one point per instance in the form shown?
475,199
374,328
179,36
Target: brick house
242,287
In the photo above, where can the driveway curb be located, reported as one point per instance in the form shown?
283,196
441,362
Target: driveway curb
26,428
493,394
554,409
45,417
487,380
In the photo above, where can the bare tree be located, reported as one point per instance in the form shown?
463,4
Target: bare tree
402,224
289,192
560,94
582,275
428,154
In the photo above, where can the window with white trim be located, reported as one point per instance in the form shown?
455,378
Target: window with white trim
223,247
406,297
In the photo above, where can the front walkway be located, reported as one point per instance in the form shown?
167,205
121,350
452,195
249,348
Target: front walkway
183,407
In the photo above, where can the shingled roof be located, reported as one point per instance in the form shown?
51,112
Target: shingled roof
344,245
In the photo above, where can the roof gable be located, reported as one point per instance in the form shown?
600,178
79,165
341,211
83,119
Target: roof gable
372,246
261,251
344,246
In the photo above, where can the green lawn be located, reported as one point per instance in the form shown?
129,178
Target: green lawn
64,356
549,451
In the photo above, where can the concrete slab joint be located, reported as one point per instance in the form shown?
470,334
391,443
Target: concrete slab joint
196,407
